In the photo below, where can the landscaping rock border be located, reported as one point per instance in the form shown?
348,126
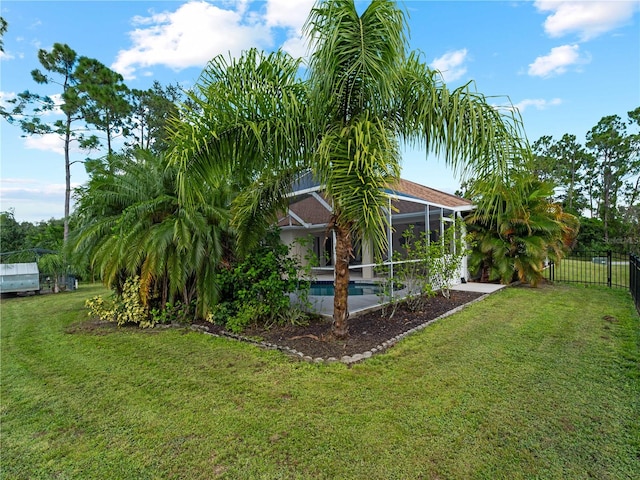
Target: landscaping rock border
346,359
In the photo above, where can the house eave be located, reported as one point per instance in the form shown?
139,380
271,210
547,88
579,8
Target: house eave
458,208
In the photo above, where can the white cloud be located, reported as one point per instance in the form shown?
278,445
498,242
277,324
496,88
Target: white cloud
33,200
537,103
57,102
48,143
586,18
296,46
4,99
27,186
6,56
292,16
285,13
52,142
451,65
192,35
557,61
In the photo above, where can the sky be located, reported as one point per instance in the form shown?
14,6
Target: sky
563,64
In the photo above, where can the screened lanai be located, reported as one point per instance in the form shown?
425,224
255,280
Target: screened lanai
304,227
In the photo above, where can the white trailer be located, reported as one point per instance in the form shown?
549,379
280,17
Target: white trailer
19,277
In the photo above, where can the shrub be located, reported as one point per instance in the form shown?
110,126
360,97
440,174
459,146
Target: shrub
445,256
425,267
409,275
513,242
125,308
173,313
257,288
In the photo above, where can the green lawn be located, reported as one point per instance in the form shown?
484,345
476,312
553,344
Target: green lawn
529,383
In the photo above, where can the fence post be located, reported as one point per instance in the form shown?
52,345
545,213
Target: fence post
634,264
632,278
609,258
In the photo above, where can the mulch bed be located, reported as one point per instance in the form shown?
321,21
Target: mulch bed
366,331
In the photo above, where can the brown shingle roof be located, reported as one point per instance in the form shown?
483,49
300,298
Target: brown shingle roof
429,194
314,213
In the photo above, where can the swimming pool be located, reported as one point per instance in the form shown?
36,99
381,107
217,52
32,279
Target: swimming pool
322,288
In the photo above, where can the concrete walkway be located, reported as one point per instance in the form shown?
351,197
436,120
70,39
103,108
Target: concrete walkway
478,287
323,305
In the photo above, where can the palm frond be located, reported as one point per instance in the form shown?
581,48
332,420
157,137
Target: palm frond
254,209
356,57
249,115
356,164
479,140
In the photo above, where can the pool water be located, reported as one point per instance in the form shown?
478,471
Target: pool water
325,289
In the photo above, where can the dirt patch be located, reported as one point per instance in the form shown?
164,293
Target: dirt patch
366,331
101,327
92,327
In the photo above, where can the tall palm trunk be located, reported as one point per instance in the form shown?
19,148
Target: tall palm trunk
341,283
67,176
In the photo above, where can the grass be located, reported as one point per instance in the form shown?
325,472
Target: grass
529,383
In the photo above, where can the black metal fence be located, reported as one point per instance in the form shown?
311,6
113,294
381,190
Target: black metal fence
634,279
608,268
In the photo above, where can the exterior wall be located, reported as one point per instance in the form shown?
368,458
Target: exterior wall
312,240
290,238
367,259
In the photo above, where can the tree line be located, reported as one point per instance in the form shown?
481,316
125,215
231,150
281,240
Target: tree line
599,180
96,109
24,236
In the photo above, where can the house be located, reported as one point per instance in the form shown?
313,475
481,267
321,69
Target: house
411,204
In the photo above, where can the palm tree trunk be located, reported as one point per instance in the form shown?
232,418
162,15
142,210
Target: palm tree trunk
573,182
165,289
67,170
341,283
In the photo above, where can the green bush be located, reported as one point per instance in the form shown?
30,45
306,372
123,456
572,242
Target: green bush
125,308
173,313
257,288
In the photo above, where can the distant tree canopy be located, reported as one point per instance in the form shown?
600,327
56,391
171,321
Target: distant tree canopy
18,236
94,109
151,110
599,180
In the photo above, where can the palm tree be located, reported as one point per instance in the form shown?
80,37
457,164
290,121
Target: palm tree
514,241
363,94
131,223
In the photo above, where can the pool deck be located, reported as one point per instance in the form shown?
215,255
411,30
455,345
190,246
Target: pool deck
359,304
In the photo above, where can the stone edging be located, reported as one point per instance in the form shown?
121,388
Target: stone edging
347,359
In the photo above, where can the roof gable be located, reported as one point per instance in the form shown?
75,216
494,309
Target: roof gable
410,197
